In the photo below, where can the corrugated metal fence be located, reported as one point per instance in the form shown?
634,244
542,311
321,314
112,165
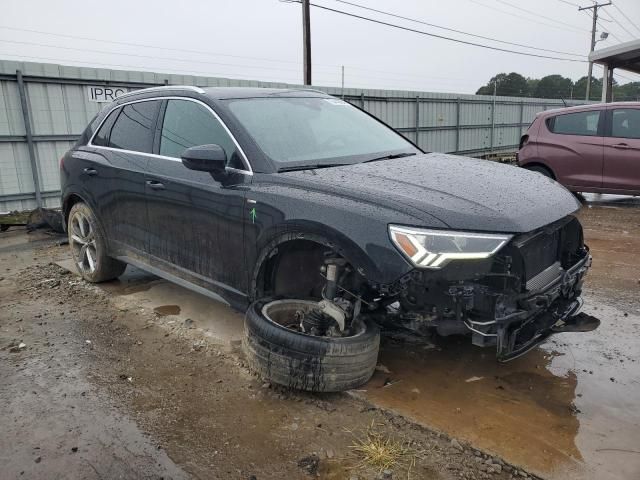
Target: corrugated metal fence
45,107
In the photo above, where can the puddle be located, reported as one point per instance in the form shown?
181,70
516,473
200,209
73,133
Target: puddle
136,289
555,410
164,310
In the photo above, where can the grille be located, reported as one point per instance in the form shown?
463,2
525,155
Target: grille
545,277
539,253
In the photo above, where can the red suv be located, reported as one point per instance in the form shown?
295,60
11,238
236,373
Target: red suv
591,148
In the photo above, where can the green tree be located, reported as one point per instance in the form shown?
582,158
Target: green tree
580,89
508,84
627,92
554,86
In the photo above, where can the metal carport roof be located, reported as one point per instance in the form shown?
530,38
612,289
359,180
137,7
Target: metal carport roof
625,56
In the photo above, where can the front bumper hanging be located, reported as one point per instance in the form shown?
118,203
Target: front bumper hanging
553,308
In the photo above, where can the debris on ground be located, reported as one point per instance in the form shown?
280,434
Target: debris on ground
309,464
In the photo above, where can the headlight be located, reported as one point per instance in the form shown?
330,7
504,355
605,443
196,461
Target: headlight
435,248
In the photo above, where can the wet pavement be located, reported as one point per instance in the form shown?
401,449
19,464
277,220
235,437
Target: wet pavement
569,409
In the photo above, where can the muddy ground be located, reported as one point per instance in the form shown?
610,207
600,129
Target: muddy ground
139,378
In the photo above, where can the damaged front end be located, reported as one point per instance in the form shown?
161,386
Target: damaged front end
512,298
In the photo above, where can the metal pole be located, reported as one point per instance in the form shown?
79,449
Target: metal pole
458,104
417,119
306,39
343,82
521,116
29,135
493,113
593,41
362,100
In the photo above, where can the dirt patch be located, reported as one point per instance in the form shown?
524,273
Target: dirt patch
197,409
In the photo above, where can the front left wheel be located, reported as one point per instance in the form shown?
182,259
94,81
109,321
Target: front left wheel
89,248
279,351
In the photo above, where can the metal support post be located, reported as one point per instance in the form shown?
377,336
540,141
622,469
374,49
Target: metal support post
29,134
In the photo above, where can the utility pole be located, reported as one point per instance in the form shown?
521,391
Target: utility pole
595,8
306,40
343,82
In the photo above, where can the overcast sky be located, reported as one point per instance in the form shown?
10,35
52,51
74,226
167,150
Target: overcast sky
261,39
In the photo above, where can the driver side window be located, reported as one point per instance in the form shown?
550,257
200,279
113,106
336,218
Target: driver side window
188,124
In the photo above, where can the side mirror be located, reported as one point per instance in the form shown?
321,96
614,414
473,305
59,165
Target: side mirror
205,158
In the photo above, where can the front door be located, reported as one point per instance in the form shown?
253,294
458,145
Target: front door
622,150
196,221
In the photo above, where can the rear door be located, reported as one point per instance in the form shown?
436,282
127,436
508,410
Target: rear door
574,147
622,150
196,221
124,143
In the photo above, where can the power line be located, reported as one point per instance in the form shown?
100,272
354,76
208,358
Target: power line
529,19
632,35
455,30
152,57
615,20
631,22
541,16
130,44
442,37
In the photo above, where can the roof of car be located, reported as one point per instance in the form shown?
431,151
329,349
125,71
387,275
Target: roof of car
223,93
590,106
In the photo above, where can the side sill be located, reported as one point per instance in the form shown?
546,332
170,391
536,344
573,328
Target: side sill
174,279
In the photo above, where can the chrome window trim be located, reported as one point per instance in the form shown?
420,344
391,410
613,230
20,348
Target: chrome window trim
163,88
245,160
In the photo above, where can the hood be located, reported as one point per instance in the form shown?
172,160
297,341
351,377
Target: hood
463,193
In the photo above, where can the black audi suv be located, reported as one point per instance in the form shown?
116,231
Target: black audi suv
323,224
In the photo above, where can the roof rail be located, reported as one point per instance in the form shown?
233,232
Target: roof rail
164,87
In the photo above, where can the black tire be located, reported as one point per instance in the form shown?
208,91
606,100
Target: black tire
542,170
305,362
89,248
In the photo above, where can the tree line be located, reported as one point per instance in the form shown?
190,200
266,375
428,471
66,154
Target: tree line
555,86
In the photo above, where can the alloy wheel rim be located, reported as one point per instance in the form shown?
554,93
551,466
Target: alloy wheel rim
83,243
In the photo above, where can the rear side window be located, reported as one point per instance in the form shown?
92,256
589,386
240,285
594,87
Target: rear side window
188,124
625,123
102,136
134,127
580,123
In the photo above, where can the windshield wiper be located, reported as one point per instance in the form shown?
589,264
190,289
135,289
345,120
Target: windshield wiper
296,168
390,157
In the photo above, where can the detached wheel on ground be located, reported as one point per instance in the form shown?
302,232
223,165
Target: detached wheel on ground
279,351
88,246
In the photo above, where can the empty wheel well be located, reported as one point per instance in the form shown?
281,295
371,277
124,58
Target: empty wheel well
538,167
292,270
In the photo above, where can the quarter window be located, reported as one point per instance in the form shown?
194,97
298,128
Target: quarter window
625,123
580,123
102,136
188,124
134,127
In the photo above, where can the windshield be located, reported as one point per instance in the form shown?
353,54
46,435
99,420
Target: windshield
316,131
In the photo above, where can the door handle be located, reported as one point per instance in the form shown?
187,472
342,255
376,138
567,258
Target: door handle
90,171
154,185
621,146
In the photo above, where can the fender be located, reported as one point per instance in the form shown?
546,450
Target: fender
321,234
73,190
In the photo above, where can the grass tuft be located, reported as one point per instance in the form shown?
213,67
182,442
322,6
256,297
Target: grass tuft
382,453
